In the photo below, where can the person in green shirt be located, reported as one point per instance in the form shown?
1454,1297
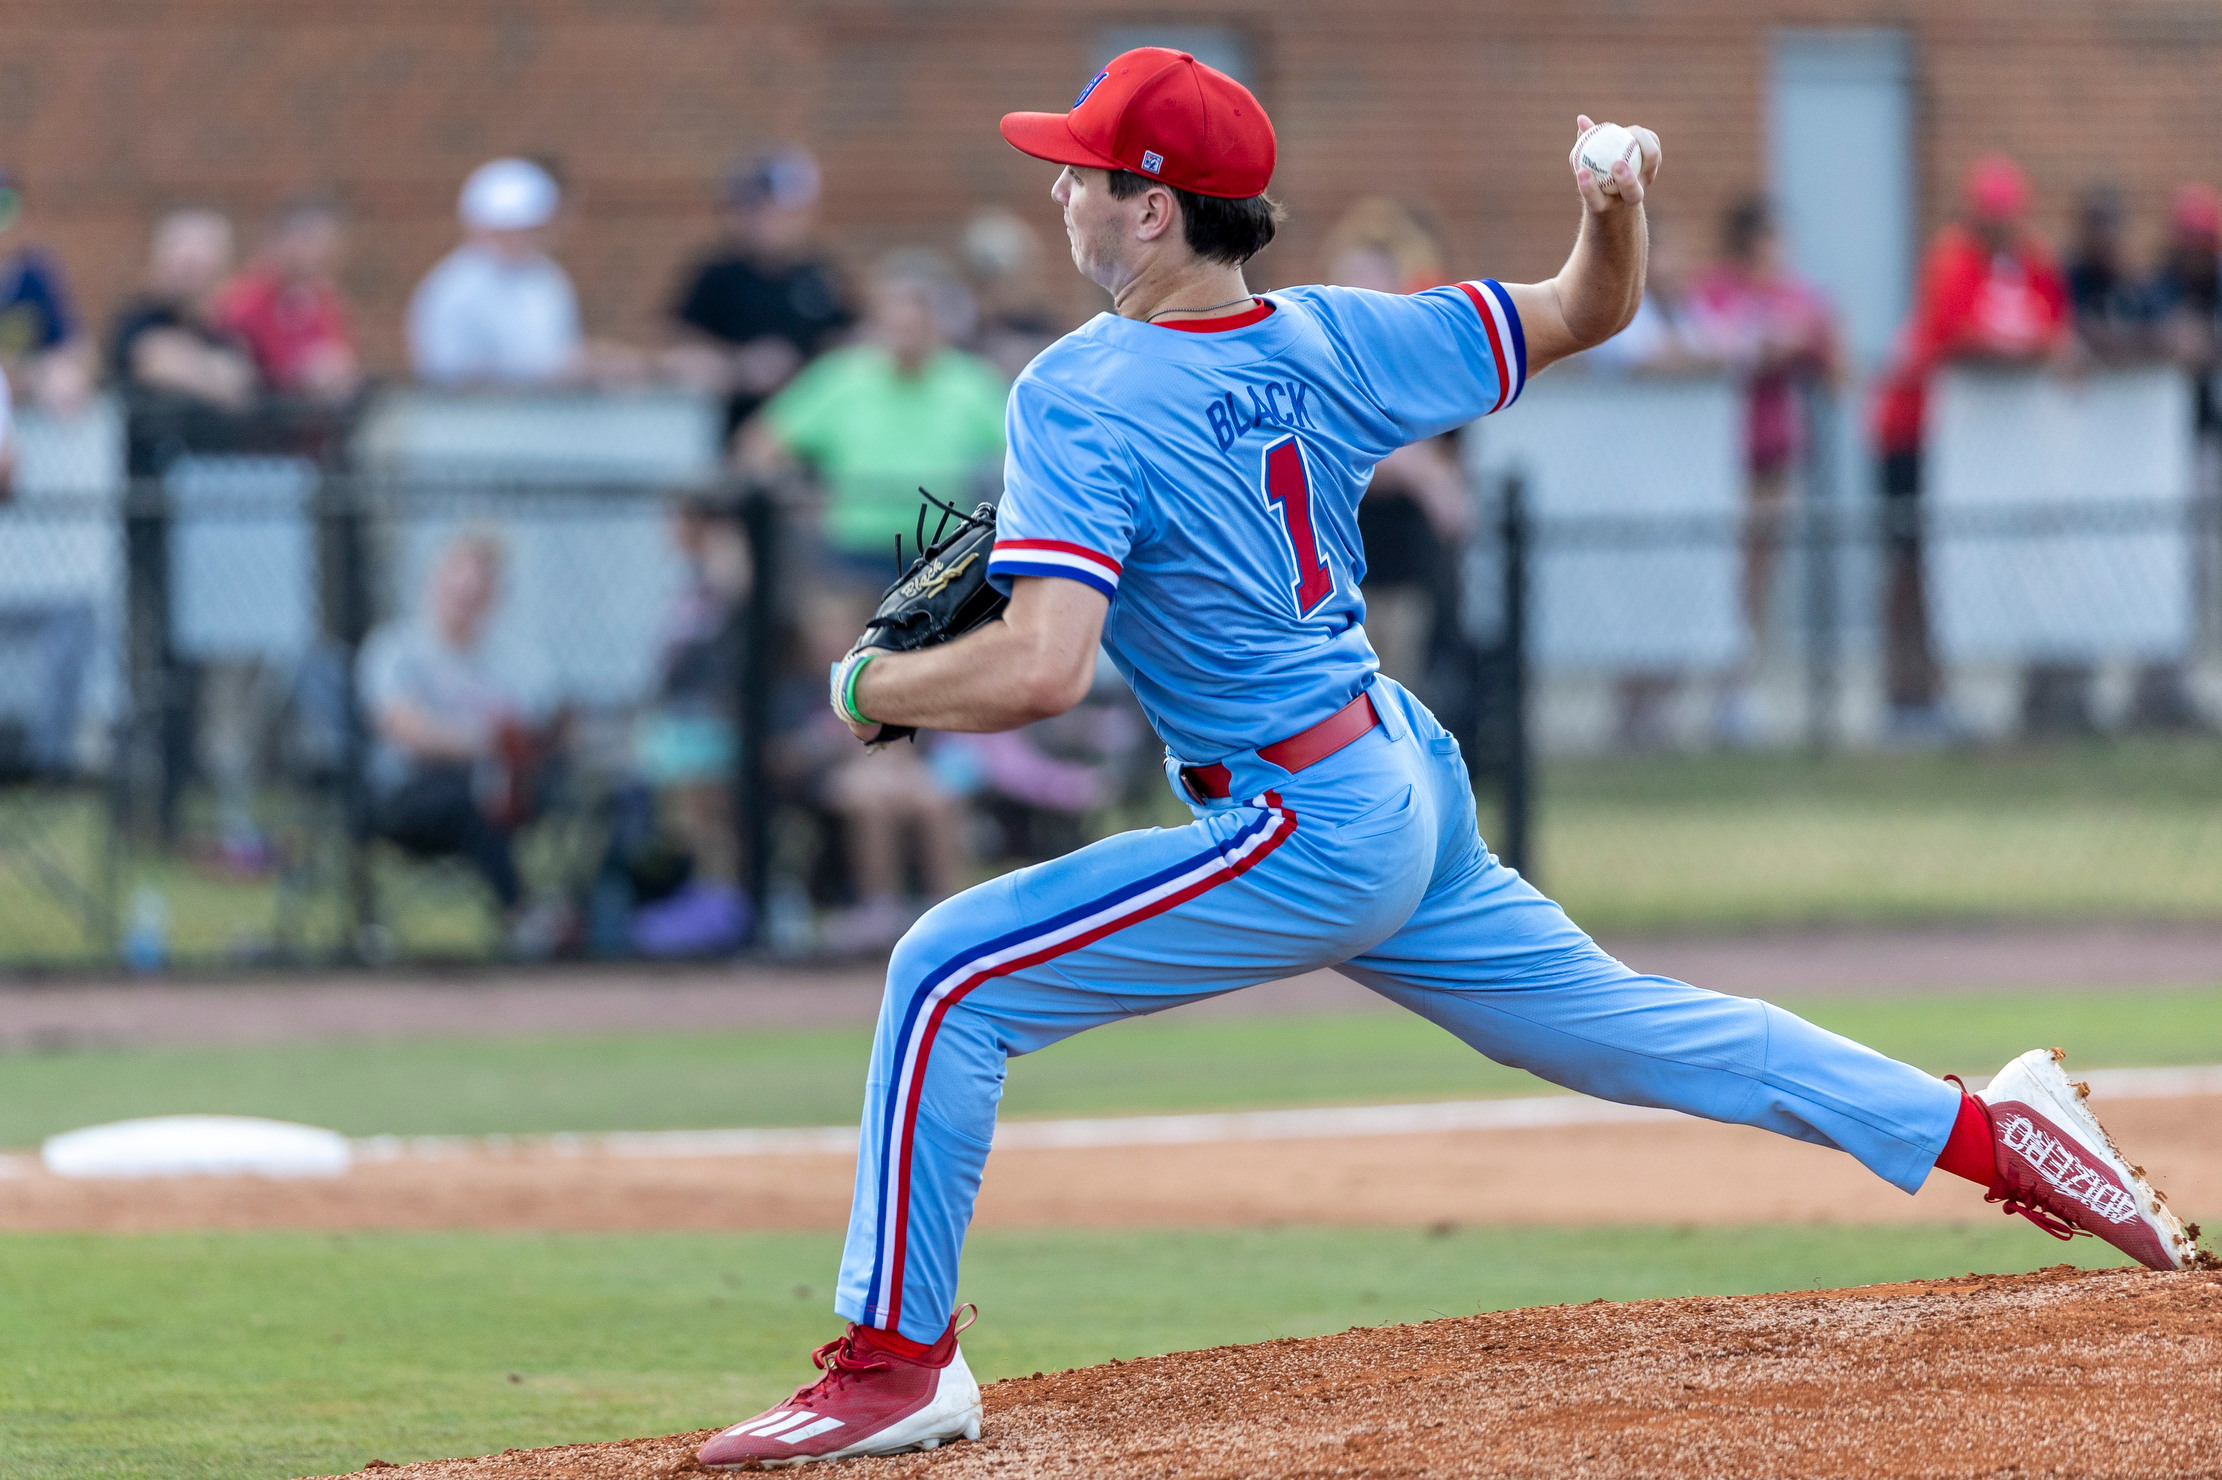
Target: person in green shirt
878,419
872,422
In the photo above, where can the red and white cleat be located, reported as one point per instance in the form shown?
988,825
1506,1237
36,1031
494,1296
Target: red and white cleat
880,1395
2059,1168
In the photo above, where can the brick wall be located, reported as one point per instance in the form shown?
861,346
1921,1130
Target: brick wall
111,109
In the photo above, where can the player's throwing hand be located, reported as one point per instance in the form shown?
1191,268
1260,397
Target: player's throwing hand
1629,179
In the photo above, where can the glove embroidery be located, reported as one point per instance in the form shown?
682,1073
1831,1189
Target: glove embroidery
942,595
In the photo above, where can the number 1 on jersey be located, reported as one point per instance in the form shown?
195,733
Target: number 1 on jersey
1286,486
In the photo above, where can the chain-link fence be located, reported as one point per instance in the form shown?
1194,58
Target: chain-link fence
473,678
466,678
2048,567
360,683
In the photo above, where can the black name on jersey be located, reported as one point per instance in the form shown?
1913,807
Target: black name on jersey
1278,404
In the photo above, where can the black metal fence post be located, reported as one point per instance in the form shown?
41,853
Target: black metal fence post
145,792
1824,527
344,566
1516,775
758,669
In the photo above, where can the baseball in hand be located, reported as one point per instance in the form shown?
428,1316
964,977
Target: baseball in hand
1606,145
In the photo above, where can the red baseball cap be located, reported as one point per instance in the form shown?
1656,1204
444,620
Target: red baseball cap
2197,212
1163,115
1996,189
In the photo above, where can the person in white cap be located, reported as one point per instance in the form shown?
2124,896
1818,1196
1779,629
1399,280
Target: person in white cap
498,310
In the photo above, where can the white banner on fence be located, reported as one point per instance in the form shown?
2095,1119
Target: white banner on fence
59,539
589,585
2017,446
242,557
61,579
1665,454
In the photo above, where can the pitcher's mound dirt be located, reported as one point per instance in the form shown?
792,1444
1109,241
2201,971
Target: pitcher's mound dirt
2117,1373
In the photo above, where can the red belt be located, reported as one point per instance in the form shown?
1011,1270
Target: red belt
1306,747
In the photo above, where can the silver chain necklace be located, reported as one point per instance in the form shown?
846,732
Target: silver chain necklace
1231,302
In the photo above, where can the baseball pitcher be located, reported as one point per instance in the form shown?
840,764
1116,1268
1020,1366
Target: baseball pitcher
1182,489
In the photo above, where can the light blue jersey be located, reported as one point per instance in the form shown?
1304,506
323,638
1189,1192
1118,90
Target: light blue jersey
1208,482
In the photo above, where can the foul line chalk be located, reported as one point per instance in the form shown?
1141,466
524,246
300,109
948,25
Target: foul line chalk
1529,1113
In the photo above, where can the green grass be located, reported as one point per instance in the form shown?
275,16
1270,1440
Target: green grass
436,910
2131,830
815,1077
243,1357
2125,830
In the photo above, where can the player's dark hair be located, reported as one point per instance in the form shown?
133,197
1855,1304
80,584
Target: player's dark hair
1218,229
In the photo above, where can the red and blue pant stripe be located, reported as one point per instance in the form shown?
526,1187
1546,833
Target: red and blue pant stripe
1388,881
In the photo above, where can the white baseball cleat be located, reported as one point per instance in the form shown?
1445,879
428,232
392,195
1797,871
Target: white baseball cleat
873,1399
2059,1168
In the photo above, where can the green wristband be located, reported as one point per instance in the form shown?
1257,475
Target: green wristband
848,690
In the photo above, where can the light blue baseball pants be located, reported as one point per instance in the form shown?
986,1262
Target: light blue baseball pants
1369,861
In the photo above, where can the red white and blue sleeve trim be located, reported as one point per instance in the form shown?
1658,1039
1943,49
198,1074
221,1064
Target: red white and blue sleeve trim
1055,558
1507,344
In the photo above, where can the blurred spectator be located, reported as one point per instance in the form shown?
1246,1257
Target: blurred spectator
39,719
2111,314
187,384
2185,295
876,420
7,437
1776,334
1040,783
167,344
499,310
767,300
687,741
1990,293
1387,244
455,762
882,800
1668,336
286,306
1003,255
2111,310
1417,513
2184,299
42,345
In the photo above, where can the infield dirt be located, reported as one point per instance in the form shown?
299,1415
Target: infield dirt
1683,1171
2115,1373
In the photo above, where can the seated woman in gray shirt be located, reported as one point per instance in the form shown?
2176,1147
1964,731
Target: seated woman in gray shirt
450,736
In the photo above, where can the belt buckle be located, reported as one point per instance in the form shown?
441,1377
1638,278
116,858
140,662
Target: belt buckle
1188,784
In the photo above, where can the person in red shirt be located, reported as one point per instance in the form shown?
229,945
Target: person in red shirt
1777,335
286,307
1990,292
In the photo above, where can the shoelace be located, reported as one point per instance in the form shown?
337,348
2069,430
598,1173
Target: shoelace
839,1361
2060,1228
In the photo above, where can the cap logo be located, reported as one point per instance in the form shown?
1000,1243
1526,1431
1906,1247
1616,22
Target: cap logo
1152,161
1091,87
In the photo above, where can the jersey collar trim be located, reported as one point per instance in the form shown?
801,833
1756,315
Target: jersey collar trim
1261,341
1240,319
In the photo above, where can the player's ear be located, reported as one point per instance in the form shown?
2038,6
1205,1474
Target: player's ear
1160,214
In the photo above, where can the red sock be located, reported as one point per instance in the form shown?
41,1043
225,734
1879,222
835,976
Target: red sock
932,1353
1968,1152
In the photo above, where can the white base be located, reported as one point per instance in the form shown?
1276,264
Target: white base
198,1146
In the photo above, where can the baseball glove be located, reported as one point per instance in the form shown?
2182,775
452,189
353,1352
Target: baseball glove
944,594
